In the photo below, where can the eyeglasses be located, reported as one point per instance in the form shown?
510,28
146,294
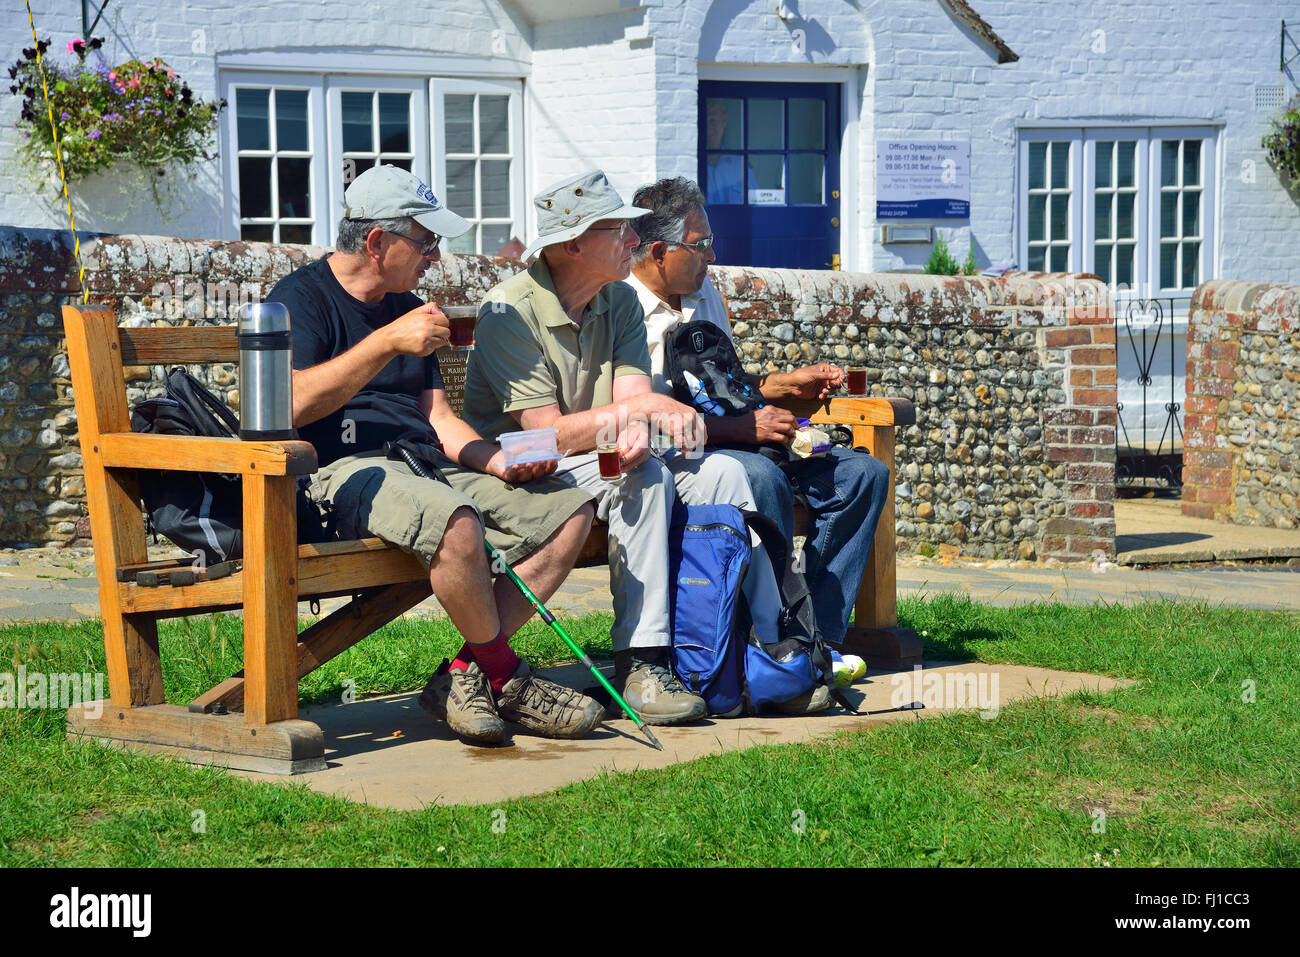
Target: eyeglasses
623,228
701,246
427,246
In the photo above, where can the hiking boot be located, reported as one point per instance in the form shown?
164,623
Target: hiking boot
550,709
464,700
646,681
816,698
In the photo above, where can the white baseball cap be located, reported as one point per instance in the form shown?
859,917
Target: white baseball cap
390,192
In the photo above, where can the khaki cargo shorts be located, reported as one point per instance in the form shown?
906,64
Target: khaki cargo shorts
383,498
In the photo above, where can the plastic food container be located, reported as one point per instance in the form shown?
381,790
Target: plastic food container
531,445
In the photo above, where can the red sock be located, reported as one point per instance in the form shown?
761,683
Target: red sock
462,659
497,659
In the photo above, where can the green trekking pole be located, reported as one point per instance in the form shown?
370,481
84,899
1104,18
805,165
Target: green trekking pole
573,645
430,471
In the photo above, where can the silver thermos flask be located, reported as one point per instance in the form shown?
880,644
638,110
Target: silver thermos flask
265,372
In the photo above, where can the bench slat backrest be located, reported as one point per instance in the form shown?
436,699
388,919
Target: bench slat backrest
173,345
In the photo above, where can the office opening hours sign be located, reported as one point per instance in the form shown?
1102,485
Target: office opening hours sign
922,180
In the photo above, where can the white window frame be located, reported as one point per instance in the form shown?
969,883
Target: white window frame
229,134
335,87
1141,210
439,88
325,124
1209,190
1146,274
1076,151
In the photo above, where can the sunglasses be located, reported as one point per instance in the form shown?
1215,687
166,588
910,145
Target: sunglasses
623,228
427,246
702,246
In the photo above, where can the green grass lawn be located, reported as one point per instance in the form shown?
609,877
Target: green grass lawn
1186,772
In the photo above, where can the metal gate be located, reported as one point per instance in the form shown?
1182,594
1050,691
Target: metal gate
1151,370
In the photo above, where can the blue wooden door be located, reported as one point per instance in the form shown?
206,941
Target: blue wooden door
769,163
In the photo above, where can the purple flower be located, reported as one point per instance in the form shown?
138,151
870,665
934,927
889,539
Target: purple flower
64,117
93,134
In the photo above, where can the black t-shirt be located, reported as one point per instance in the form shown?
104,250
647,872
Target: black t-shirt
327,321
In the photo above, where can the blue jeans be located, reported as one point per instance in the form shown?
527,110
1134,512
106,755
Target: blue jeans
845,492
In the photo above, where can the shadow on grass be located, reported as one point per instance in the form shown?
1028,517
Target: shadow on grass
949,625
955,647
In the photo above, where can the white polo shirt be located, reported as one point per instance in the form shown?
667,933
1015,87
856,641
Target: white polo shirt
661,318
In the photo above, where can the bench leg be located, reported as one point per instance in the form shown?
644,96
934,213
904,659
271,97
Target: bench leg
875,634
270,599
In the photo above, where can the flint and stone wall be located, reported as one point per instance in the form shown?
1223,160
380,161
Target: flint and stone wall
1012,455
1242,424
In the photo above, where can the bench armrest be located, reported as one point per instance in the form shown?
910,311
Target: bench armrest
194,453
852,411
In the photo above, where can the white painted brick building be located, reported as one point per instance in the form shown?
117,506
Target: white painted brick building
559,85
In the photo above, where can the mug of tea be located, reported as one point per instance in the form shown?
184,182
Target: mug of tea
462,319
856,381
607,458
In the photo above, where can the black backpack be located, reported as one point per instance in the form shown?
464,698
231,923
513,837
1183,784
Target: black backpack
202,512
704,371
701,365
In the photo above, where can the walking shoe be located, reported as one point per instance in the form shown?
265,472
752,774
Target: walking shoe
846,668
816,698
646,681
550,709
464,700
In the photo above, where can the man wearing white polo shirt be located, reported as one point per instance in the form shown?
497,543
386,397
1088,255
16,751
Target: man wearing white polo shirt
845,490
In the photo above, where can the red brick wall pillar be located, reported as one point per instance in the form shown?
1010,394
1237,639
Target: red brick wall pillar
1080,432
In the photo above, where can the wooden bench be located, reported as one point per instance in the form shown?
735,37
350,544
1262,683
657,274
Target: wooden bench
251,719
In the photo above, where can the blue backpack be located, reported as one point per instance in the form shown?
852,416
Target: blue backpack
708,557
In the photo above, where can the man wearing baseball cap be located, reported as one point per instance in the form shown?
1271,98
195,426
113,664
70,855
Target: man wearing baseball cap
366,375
563,345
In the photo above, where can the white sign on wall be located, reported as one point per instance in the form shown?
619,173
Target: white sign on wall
917,180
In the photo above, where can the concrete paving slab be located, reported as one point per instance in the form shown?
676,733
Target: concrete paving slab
387,752
1155,531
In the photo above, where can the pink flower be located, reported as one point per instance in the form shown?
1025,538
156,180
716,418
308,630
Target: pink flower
171,75
134,82
72,46
112,76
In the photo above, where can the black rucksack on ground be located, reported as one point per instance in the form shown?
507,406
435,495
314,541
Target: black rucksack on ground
202,512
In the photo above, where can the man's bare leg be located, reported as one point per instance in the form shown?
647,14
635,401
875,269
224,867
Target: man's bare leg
462,581
544,570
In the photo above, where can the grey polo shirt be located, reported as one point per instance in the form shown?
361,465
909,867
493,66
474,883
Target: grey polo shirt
528,352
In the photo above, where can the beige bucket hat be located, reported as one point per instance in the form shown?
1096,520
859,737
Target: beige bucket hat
565,209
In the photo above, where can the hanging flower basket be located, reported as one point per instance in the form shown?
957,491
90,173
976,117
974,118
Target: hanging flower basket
139,113
1283,144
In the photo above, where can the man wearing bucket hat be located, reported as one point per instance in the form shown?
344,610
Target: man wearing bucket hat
366,376
562,345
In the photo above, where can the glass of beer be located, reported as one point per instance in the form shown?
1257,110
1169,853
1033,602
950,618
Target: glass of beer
856,380
463,319
607,458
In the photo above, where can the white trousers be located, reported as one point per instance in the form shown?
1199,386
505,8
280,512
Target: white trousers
638,509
